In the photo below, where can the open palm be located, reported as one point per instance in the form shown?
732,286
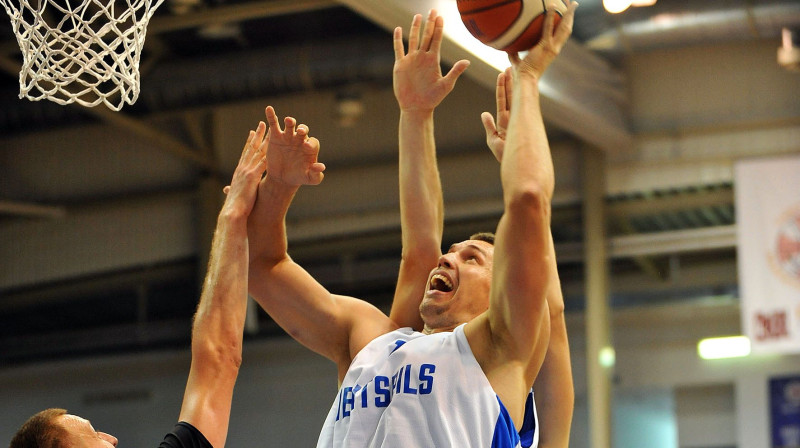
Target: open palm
418,80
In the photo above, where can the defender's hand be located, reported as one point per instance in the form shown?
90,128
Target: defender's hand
292,155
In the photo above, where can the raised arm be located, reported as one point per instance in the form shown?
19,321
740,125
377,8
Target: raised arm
419,88
555,394
219,320
336,327
554,389
517,324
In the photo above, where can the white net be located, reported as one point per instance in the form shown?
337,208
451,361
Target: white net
80,51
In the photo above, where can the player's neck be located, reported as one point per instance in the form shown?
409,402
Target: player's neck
431,330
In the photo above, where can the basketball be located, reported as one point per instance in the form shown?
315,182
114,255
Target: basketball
510,26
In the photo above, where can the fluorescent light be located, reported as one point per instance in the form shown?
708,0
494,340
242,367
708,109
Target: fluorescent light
616,6
607,357
643,2
726,347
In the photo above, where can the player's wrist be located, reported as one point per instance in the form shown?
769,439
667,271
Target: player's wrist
416,114
527,72
233,215
274,186
527,84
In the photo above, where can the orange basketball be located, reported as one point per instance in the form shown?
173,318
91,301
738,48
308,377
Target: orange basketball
508,25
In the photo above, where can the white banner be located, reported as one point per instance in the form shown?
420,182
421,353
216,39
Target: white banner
768,227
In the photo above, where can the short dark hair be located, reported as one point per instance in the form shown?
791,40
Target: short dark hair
483,236
41,431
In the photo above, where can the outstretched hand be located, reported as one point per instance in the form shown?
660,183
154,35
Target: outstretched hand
549,46
496,131
417,74
292,155
241,193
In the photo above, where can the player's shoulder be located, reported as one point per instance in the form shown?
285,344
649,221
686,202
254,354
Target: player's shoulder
364,316
365,322
184,435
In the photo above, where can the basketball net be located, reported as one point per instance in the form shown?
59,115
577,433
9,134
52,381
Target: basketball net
80,51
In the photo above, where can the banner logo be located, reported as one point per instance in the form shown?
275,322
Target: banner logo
785,255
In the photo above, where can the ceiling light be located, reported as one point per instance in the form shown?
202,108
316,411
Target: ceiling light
726,347
220,31
789,51
349,107
643,2
607,357
616,6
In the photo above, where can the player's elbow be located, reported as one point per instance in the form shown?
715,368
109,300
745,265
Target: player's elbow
261,265
531,201
556,308
233,215
265,258
224,355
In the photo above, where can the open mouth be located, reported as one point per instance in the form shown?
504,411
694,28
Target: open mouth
440,282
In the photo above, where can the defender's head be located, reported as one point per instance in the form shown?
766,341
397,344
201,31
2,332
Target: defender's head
54,428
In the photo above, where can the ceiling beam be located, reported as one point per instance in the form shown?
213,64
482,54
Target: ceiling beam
723,23
107,283
154,334
657,243
626,246
164,141
671,203
235,13
648,265
8,64
661,243
581,93
31,210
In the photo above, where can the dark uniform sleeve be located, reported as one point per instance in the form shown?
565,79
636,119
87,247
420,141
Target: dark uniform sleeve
184,435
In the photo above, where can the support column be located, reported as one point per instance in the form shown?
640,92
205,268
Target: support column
599,348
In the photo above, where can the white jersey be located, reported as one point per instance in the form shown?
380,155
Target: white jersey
407,389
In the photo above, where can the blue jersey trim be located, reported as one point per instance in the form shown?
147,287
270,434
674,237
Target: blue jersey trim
528,424
505,435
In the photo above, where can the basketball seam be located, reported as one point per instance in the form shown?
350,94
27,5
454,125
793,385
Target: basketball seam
503,38
486,8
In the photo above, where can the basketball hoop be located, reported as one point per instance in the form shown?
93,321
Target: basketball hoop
81,51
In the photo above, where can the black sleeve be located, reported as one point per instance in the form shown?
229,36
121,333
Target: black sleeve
184,435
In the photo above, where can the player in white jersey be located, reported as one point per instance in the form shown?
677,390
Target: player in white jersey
498,302
419,88
408,389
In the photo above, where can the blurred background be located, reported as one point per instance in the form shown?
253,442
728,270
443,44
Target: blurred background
106,217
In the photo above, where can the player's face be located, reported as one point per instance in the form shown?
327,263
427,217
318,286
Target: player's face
83,435
458,288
